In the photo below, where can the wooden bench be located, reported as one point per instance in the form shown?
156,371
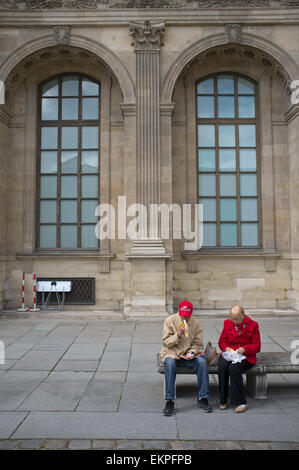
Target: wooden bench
267,363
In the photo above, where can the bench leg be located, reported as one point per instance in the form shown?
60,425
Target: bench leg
257,385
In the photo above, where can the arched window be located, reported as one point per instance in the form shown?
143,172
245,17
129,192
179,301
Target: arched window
228,168
68,162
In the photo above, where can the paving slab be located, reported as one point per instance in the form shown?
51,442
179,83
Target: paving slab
286,341
33,444
143,357
76,365
142,392
247,427
57,393
18,350
55,444
123,330
97,425
101,396
93,337
84,351
9,421
8,340
288,405
111,376
292,379
9,363
114,361
122,344
67,330
16,385
52,343
46,325
79,444
271,347
38,360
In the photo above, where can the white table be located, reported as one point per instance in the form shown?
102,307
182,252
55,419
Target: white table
53,287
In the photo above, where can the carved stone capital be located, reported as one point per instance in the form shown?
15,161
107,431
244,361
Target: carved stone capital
61,34
233,31
147,36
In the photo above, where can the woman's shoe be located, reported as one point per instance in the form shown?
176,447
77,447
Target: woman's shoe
222,407
241,408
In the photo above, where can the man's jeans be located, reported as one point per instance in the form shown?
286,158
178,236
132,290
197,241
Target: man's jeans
199,364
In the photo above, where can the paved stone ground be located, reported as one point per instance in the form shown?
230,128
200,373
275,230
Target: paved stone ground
92,384
111,445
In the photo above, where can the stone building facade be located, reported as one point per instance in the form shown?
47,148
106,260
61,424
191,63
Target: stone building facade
169,102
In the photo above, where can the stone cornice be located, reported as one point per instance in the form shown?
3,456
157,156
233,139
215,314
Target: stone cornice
52,5
185,16
112,17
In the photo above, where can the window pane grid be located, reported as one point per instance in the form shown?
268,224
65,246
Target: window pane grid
230,144
65,146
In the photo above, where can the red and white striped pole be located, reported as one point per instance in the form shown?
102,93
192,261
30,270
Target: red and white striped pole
23,308
34,309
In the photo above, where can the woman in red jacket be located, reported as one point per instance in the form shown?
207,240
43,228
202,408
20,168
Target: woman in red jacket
241,334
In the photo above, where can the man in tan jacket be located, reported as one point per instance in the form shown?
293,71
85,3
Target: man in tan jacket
182,336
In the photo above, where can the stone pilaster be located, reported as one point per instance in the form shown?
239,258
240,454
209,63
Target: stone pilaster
147,42
146,288
4,121
292,117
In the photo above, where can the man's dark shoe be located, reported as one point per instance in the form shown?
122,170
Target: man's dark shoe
204,405
169,408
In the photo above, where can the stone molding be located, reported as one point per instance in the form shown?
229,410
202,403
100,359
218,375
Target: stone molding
43,50
292,113
252,48
103,259
167,109
4,116
193,258
143,4
240,51
128,109
147,36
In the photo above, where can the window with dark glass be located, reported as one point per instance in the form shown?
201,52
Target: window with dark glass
68,163
228,183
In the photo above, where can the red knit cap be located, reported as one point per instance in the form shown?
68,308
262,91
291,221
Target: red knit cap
185,309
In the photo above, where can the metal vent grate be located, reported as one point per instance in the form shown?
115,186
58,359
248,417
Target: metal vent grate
82,293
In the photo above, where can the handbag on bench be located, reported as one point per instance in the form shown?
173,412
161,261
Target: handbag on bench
211,355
